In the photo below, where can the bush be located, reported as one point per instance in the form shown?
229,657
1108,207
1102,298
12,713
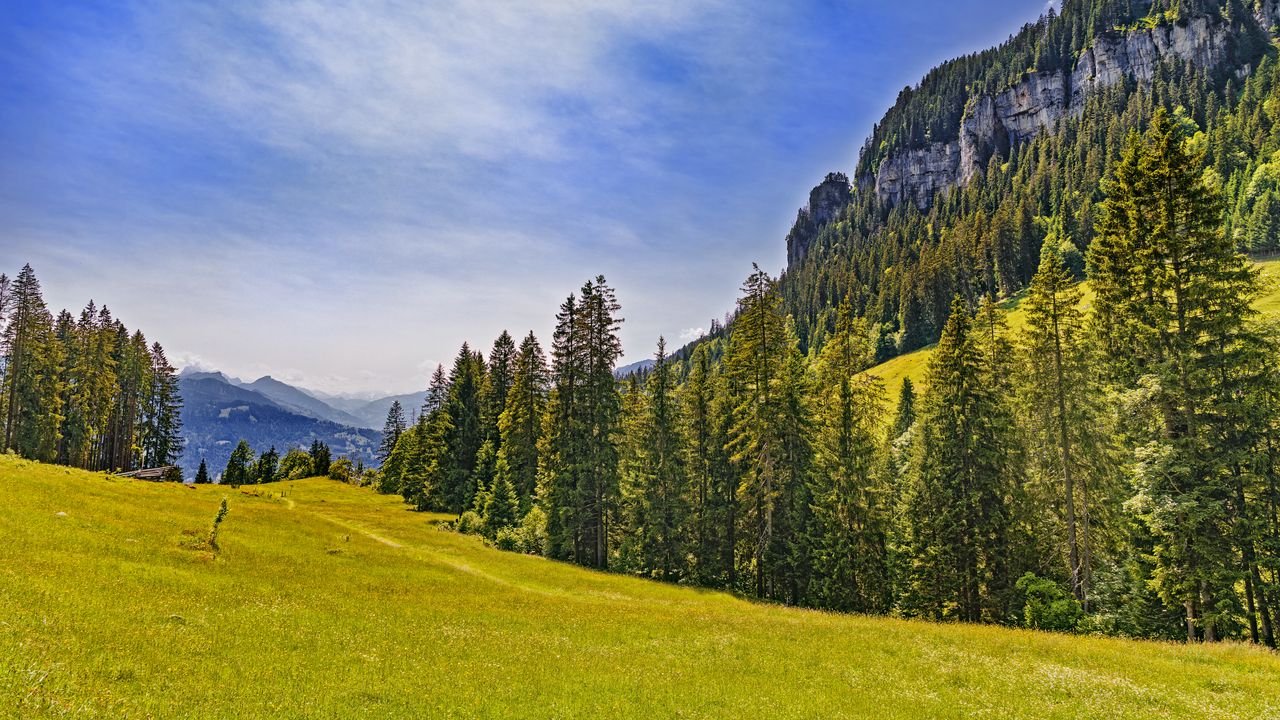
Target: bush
510,539
469,523
1048,606
342,470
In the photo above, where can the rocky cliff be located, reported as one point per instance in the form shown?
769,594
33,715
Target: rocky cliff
825,203
993,123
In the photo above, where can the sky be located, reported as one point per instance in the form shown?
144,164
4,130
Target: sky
339,194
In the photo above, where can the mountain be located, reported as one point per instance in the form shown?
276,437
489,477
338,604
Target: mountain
373,413
302,402
635,367
217,414
995,153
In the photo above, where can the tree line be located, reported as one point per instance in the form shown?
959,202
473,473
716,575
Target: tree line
1111,469
245,467
82,391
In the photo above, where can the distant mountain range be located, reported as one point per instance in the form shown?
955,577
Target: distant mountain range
219,411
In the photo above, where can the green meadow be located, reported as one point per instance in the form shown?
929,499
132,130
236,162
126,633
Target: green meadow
329,601
914,365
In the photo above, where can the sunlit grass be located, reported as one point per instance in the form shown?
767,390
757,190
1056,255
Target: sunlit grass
914,365
331,601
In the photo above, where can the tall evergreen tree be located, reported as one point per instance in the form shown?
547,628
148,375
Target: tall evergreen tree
1173,304
662,478
520,424
767,438
34,358
713,483
958,513
850,500
392,429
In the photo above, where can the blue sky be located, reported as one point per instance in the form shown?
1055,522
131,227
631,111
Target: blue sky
339,194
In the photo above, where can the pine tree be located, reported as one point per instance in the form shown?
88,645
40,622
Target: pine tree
520,424
713,484
1173,304
502,508
392,429
849,496
463,406
767,438
321,458
34,359
267,467
1068,427
958,517
239,466
662,481
498,383
202,474
906,414
162,418
578,449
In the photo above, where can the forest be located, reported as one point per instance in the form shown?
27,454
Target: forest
1111,467
83,391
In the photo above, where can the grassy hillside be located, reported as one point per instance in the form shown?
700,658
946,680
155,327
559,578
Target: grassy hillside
913,365
330,601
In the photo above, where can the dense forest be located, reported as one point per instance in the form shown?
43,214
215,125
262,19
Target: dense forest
82,391
1108,467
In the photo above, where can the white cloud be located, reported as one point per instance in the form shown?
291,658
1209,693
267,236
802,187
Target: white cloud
690,334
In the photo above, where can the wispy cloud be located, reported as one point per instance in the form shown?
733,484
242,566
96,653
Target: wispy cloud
344,191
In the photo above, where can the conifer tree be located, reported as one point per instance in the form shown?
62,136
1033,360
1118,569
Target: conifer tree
498,382
239,466
392,429
713,484
321,458
267,467
579,446
662,482
906,414
1068,425
162,417
463,406
1173,304
520,424
202,474
957,512
849,496
767,438
32,391
502,507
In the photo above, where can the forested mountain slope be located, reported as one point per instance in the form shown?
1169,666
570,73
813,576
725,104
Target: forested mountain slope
318,599
996,153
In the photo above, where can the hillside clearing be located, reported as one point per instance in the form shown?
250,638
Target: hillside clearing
331,601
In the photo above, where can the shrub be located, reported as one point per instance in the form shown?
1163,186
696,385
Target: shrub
342,470
510,539
1048,606
469,523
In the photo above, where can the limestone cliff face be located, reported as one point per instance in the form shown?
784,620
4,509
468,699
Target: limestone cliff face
1201,41
825,203
916,174
994,123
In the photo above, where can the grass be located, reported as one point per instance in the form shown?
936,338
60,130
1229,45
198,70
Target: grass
326,600
915,365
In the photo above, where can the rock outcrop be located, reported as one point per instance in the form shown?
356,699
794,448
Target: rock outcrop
826,201
995,123
1112,57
